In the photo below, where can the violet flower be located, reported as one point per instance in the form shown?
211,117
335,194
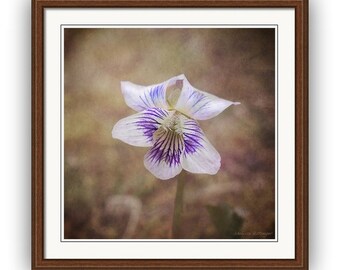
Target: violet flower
167,122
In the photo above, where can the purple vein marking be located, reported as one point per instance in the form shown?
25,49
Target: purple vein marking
157,93
193,137
196,98
153,97
149,121
167,148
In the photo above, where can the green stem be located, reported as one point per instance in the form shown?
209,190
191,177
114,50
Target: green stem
178,208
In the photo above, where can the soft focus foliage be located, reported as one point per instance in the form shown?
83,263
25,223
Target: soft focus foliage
108,192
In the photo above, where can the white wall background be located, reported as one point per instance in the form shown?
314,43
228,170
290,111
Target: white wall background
15,134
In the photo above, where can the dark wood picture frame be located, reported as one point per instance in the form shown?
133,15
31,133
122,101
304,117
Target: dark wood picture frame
301,141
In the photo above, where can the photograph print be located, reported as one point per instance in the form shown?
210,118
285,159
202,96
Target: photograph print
169,133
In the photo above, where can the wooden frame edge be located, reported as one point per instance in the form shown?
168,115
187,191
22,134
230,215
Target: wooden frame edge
37,134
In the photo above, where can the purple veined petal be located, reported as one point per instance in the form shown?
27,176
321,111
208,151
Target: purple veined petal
199,155
163,160
140,98
138,129
200,105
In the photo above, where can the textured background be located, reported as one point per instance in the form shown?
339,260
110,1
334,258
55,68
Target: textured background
109,193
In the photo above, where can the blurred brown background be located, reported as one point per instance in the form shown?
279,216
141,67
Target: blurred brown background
108,192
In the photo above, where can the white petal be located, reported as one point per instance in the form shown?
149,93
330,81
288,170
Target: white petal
138,129
200,105
140,97
199,155
163,160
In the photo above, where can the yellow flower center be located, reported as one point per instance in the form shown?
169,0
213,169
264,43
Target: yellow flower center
173,123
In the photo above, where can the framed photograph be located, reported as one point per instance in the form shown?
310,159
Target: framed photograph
169,134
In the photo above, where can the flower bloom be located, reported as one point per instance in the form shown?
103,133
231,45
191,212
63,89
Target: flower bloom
167,122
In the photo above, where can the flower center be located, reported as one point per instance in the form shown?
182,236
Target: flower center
168,141
172,124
